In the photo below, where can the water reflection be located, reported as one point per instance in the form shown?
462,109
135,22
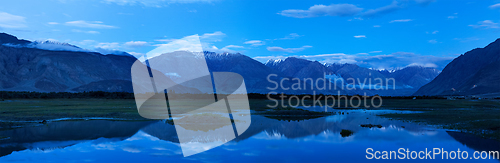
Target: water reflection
317,139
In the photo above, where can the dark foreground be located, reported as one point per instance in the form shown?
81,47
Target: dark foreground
479,117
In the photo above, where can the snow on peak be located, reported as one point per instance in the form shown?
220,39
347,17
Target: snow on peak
55,46
272,62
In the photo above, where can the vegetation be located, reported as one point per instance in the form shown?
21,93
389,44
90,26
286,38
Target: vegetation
64,95
477,116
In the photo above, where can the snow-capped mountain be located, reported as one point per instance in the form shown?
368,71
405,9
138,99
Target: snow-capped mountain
407,80
50,66
24,68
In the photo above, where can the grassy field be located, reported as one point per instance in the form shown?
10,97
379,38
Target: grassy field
39,110
480,117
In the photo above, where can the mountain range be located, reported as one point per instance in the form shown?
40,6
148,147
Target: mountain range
61,67
407,80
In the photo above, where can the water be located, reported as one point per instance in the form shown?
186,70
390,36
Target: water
267,140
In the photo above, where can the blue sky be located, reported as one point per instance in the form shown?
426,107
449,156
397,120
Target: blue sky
382,34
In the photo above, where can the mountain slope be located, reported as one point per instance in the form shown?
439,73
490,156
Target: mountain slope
32,69
473,73
407,80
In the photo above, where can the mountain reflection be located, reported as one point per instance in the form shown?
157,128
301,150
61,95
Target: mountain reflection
68,133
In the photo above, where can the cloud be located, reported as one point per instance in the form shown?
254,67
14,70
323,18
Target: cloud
108,45
401,20
360,36
424,2
433,41
135,44
228,49
375,52
467,39
351,10
383,61
486,24
322,10
289,50
189,43
234,46
212,37
255,42
89,24
53,23
154,3
382,10
435,32
12,21
193,43
495,6
290,36
376,26
88,32
454,16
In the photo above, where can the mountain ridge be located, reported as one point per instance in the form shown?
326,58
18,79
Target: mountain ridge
472,73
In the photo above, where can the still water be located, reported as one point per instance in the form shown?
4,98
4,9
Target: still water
266,140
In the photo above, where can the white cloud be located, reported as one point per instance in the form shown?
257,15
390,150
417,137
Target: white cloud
135,44
189,43
376,26
375,52
255,42
351,10
88,32
424,2
12,21
234,46
289,50
360,36
382,10
401,20
435,32
452,17
322,10
193,43
229,49
467,39
154,3
495,6
53,23
108,45
383,61
290,36
89,24
212,37
486,24
433,41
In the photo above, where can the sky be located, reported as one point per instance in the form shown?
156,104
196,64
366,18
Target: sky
382,34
